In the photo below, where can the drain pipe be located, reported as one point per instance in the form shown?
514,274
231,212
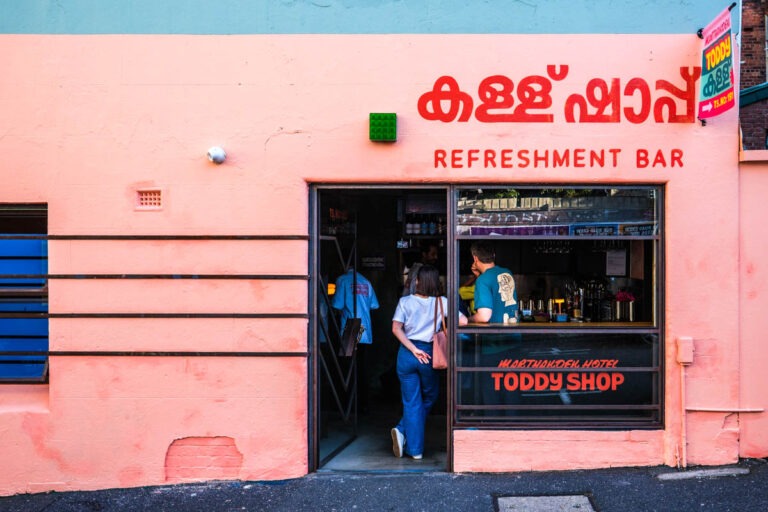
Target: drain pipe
684,358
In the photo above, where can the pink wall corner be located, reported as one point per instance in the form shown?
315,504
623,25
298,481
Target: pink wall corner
753,301
702,290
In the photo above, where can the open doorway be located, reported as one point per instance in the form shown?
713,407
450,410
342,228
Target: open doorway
377,233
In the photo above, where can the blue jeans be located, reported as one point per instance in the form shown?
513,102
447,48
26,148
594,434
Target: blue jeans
419,387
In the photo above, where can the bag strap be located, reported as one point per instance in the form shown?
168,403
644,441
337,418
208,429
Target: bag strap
442,315
434,320
439,300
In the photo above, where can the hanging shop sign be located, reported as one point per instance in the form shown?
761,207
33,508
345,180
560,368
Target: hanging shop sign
717,82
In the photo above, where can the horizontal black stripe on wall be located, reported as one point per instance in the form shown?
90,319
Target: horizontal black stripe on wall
152,315
118,353
154,237
254,277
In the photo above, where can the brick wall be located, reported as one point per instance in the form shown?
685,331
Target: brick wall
754,125
753,42
754,117
202,458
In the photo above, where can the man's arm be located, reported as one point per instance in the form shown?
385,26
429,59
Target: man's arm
481,316
483,300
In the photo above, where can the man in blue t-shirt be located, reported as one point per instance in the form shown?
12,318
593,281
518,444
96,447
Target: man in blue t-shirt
495,293
496,303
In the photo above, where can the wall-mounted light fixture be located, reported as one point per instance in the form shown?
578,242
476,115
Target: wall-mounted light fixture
217,155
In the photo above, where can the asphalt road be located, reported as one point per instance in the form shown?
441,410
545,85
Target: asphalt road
742,487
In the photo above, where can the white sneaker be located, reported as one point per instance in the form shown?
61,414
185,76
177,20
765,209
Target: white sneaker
416,457
398,440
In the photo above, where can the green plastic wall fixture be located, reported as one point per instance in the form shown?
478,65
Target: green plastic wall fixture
382,127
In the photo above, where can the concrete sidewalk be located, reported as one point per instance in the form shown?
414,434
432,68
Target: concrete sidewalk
721,489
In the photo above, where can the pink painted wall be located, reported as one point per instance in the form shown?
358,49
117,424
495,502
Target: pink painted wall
89,120
752,305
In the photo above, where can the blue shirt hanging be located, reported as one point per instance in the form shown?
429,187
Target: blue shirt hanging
345,297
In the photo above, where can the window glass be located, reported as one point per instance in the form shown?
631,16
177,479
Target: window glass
23,293
563,286
558,377
577,212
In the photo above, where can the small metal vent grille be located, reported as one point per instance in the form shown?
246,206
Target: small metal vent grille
149,199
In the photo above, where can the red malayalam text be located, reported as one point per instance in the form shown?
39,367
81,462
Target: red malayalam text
530,101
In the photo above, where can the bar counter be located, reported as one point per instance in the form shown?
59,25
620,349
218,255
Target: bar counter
560,325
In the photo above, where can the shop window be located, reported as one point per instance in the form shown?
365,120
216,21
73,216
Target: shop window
584,346
23,293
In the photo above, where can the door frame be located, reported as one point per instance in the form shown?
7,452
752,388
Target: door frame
313,366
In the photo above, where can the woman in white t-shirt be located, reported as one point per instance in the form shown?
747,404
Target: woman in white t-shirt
413,325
